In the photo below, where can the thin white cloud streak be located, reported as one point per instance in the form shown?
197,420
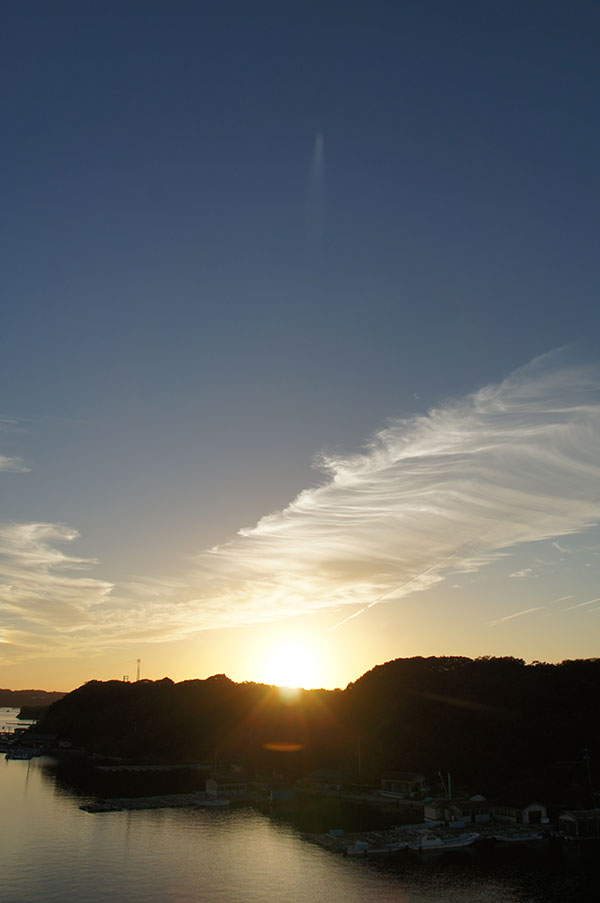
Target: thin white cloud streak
527,611
517,614
450,491
582,604
10,425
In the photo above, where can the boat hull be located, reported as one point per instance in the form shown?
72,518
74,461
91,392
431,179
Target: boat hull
435,844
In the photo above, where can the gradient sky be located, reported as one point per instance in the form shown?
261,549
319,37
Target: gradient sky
299,336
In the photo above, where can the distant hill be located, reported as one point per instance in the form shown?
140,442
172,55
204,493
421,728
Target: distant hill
35,698
501,727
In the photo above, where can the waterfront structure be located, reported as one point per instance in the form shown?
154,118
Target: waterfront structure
226,786
531,814
580,824
463,810
406,783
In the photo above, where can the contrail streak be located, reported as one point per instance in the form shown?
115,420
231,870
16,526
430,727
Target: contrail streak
582,604
397,589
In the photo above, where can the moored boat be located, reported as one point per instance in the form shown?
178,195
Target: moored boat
518,837
22,753
211,802
431,842
388,849
360,848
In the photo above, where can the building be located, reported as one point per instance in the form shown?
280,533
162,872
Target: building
227,786
463,810
515,813
580,824
403,783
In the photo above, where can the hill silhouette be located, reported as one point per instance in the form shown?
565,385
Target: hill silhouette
498,725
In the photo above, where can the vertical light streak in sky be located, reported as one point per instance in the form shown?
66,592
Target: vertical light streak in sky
315,212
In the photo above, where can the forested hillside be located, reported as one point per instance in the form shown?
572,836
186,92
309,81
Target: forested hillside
498,725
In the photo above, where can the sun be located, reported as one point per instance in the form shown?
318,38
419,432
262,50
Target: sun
291,663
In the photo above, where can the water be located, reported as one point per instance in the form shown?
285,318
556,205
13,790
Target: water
9,720
52,852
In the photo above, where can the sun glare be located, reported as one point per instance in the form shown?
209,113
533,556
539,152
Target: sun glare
291,663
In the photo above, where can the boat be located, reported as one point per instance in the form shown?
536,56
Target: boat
388,849
519,837
21,753
211,802
360,848
431,842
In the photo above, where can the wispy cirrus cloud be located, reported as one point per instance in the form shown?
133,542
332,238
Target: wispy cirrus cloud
13,465
44,596
524,572
10,463
448,491
451,490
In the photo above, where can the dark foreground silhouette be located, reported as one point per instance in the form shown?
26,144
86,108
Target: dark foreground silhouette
501,727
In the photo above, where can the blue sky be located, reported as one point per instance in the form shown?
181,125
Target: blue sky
200,295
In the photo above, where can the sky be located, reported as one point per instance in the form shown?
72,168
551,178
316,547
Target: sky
299,365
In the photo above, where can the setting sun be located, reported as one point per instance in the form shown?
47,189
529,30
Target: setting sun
292,663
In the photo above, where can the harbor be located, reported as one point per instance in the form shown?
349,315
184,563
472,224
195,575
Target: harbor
153,848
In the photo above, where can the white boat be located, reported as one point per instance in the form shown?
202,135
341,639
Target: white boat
430,842
362,848
518,837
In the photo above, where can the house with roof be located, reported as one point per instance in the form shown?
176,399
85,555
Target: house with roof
462,810
516,813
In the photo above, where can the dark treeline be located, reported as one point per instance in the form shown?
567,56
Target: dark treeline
32,712
499,726
37,698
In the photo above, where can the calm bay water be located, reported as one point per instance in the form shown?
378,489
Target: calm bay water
52,852
9,720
